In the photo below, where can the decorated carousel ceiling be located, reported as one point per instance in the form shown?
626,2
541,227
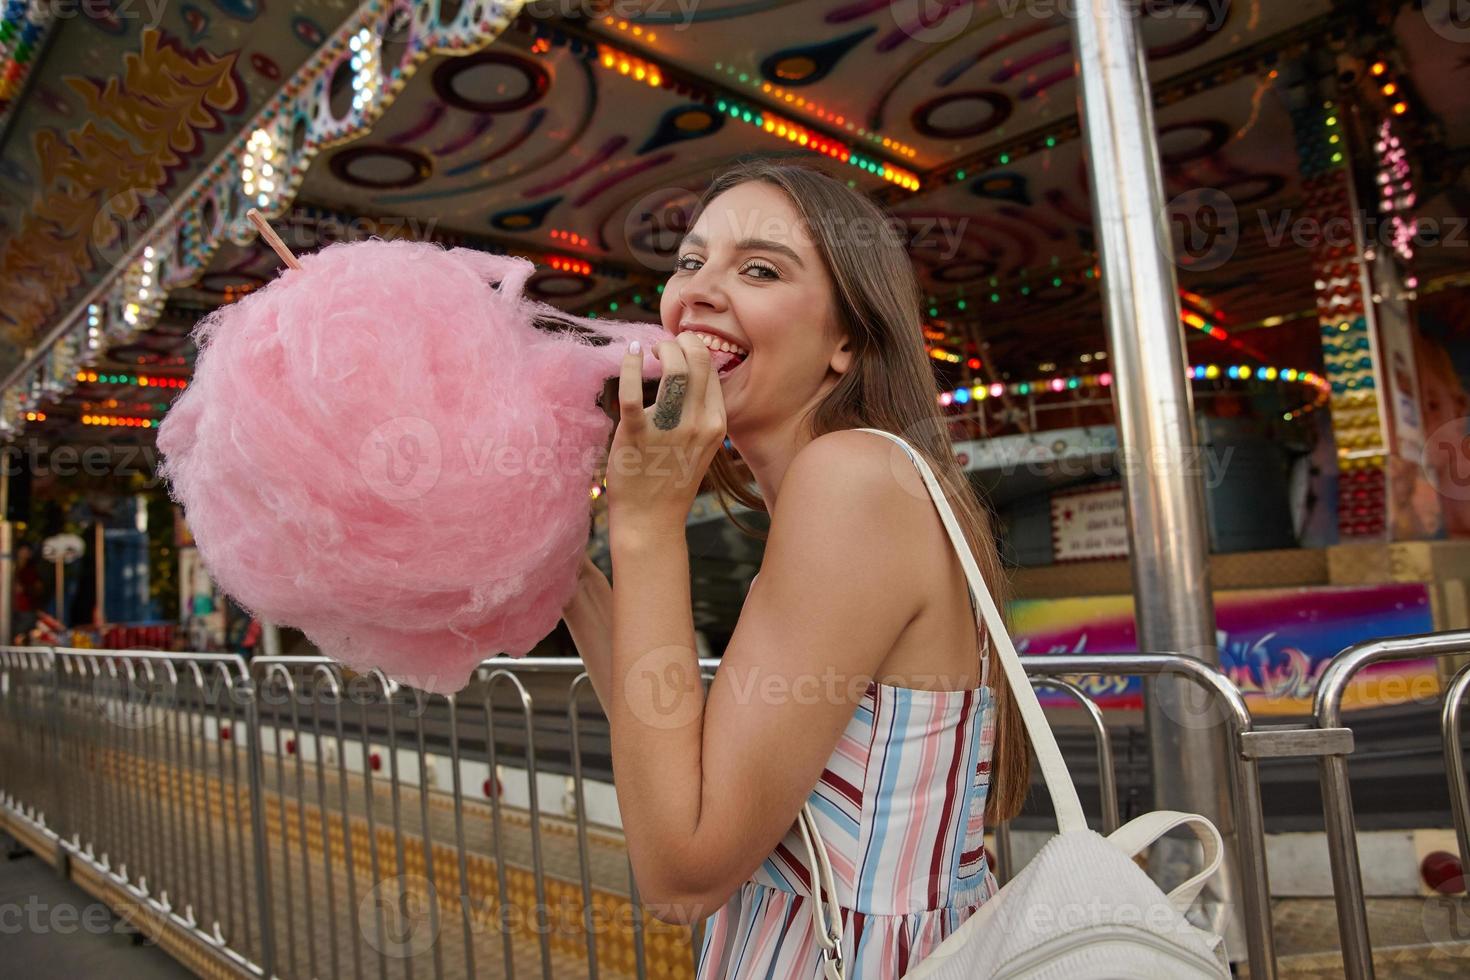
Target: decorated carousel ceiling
582,142
132,101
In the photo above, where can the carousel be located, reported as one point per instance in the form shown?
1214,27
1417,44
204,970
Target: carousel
1313,164
1293,305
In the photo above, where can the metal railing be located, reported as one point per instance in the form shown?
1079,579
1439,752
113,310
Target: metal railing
1342,834
248,804
1224,705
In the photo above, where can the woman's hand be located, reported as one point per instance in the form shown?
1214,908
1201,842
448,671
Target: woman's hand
588,615
660,453
593,588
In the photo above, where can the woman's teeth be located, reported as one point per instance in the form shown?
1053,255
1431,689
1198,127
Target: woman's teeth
727,356
716,343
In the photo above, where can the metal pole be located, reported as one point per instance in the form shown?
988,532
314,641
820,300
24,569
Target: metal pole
1454,759
1173,605
270,639
99,610
7,551
7,574
264,898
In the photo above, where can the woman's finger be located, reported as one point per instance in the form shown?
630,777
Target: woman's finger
673,391
714,400
630,389
700,370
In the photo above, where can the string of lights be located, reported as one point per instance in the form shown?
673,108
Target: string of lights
979,392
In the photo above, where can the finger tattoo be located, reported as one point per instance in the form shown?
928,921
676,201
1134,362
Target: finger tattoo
670,405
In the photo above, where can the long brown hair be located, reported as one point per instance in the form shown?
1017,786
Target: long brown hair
891,386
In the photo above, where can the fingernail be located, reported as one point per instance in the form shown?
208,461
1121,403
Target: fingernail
634,347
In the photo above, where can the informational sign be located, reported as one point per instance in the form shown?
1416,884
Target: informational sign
1274,643
1396,341
1039,454
1414,507
1089,525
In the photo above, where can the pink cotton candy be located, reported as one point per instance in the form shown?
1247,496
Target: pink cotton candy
381,450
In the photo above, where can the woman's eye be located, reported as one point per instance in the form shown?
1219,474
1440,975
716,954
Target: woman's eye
683,263
768,272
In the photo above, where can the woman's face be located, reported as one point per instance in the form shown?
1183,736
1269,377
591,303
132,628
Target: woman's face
748,272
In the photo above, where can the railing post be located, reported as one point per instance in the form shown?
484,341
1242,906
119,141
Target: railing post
1337,796
1454,759
63,810
247,690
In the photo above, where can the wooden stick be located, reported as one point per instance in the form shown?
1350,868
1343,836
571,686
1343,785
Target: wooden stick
272,239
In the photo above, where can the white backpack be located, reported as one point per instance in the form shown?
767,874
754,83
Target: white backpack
1081,909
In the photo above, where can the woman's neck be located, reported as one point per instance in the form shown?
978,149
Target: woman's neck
768,453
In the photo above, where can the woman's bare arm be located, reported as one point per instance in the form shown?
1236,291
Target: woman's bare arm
589,619
708,787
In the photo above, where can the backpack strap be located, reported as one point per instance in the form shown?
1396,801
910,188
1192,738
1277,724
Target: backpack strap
1136,835
1048,756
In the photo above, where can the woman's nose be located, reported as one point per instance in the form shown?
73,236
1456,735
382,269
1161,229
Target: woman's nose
703,290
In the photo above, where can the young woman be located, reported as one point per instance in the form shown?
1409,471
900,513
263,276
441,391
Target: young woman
857,666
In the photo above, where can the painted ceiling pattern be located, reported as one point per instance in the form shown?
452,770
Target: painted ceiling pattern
127,108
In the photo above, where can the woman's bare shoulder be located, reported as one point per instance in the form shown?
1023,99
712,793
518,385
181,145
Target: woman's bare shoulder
848,468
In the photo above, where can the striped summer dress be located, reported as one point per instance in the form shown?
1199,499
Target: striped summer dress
901,806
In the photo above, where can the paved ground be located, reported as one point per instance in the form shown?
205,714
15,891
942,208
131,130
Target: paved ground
51,928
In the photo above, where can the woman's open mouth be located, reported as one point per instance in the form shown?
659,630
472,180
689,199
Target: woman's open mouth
725,356
726,364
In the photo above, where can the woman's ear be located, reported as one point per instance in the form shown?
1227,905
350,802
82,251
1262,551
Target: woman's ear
841,360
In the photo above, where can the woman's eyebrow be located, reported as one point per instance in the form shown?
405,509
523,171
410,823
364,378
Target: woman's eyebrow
750,245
